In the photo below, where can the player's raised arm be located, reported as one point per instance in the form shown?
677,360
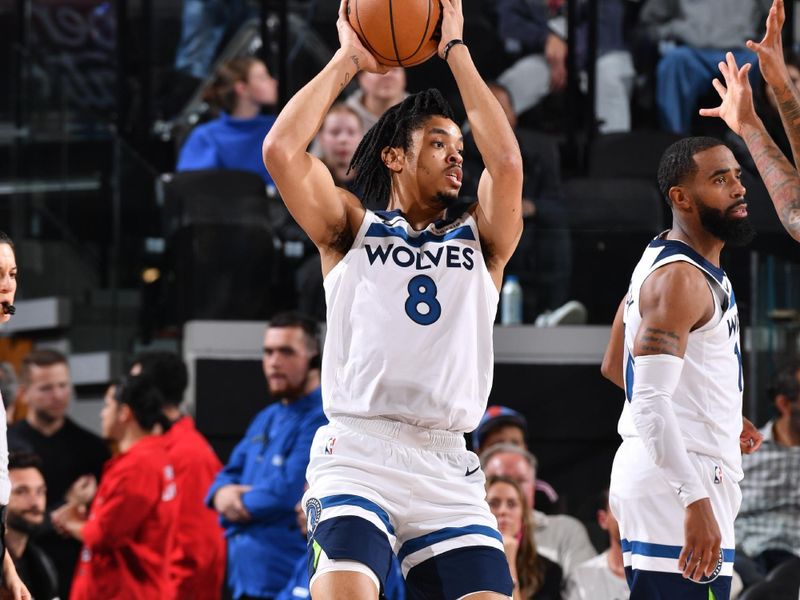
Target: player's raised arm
499,212
305,184
674,300
736,109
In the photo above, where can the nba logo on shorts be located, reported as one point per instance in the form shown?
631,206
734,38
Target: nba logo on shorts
717,474
329,445
313,512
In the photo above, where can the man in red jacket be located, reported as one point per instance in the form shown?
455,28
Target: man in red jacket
128,535
197,563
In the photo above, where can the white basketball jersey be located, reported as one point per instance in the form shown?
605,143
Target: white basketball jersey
708,399
410,319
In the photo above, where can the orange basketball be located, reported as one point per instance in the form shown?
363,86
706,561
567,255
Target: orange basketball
398,33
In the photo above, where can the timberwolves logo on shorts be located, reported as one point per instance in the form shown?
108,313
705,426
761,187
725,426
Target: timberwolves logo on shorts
714,574
313,512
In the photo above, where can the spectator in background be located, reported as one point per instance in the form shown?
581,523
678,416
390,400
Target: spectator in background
8,389
767,525
503,425
561,538
376,93
538,41
692,38
197,563
256,492
24,520
601,577
240,89
535,576
68,452
543,258
337,140
128,534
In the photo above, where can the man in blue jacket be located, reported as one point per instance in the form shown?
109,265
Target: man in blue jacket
256,492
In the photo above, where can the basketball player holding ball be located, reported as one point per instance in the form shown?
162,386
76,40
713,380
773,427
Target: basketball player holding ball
411,297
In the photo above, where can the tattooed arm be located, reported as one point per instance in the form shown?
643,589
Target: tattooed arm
324,211
736,109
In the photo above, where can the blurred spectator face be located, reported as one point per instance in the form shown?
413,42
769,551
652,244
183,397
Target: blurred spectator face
260,86
517,468
507,506
789,408
387,87
8,278
48,392
286,361
339,137
111,425
28,499
504,434
505,103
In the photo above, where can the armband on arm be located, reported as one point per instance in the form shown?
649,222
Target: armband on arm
655,380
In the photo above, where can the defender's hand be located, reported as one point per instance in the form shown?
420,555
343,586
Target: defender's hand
452,23
700,552
770,49
736,107
349,42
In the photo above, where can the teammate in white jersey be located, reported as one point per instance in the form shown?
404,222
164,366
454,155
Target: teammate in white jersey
411,298
674,481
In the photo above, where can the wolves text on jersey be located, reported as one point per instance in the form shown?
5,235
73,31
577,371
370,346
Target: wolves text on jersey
421,259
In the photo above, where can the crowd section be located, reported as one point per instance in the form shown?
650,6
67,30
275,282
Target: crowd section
148,510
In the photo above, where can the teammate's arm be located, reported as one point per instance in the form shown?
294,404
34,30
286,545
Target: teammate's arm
736,109
673,301
305,184
612,359
499,211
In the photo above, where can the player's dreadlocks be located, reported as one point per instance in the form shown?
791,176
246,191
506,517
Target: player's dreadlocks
393,129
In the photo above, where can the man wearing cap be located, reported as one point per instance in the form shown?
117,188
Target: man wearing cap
500,425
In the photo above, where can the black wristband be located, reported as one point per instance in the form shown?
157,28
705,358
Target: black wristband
449,45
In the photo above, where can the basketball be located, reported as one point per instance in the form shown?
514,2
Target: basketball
398,34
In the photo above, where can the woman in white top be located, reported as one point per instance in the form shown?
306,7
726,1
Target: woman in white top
9,580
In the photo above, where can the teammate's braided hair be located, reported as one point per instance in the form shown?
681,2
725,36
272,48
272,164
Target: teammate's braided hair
393,129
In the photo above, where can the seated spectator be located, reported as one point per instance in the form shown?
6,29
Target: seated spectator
561,538
537,39
693,38
128,534
767,531
503,425
535,576
25,517
68,452
197,563
298,585
240,89
376,93
256,492
601,577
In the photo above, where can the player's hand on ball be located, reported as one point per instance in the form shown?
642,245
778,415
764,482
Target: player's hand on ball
452,23
700,553
349,42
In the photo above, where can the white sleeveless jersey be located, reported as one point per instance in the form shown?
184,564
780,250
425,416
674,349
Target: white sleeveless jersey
410,320
708,399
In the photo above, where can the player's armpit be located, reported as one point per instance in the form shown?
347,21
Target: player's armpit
674,300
